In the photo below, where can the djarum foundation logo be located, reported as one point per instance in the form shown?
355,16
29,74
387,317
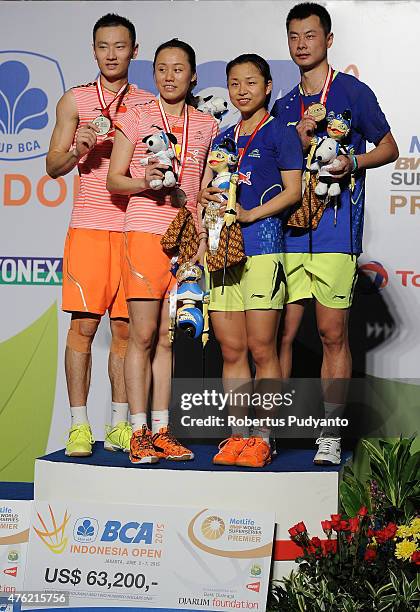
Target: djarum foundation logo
54,536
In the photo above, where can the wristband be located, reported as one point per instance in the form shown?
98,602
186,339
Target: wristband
353,160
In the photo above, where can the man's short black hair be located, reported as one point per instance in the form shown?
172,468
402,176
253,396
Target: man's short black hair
307,9
113,20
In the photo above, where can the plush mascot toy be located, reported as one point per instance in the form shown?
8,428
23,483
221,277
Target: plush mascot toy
159,145
222,159
213,105
326,152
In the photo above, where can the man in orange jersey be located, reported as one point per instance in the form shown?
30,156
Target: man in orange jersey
83,137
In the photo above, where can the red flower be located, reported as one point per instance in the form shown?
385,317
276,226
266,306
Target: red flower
327,527
391,530
354,524
370,554
370,532
362,511
329,546
415,557
344,526
301,527
336,518
293,532
316,542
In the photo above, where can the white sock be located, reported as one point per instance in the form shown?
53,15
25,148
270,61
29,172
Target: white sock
332,411
119,412
262,432
160,418
138,420
79,415
242,432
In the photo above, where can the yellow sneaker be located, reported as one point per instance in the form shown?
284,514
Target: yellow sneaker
79,443
118,437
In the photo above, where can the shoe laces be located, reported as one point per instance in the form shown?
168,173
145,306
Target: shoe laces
232,438
80,430
326,443
168,437
143,437
123,432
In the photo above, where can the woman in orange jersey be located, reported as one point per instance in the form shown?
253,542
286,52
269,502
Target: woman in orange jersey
146,266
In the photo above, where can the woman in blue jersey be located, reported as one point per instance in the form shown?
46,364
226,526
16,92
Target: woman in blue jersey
246,308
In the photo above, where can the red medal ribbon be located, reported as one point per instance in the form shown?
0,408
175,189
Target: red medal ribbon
177,164
105,107
250,139
325,91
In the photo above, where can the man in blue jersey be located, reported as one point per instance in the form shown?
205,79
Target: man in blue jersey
321,263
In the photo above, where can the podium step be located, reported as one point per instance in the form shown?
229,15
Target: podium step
291,486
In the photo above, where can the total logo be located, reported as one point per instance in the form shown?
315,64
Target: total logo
380,277
30,87
376,272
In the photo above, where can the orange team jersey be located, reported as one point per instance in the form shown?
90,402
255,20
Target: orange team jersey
151,211
95,207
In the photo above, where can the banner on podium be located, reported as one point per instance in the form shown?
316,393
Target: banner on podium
15,517
146,556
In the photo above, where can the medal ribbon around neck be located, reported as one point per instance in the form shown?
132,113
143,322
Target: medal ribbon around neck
324,94
177,164
250,139
119,95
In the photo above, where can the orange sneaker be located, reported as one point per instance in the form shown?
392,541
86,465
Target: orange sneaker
167,446
256,453
229,450
141,447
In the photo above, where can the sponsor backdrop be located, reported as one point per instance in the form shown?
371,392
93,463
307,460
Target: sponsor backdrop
150,556
45,49
14,535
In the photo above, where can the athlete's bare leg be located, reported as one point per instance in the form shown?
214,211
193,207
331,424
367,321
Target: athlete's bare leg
333,331
119,333
162,363
289,327
78,363
144,317
261,329
230,331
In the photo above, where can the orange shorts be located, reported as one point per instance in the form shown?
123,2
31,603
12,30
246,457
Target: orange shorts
146,268
92,272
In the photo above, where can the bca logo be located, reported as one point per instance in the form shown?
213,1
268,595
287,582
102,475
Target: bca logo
30,87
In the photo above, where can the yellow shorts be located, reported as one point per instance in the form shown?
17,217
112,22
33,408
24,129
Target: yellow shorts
328,277
258,284
146,268
92,272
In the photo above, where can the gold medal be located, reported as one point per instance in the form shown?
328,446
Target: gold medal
178,197
103,124
317,111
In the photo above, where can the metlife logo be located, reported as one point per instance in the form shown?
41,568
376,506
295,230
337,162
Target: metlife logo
31,270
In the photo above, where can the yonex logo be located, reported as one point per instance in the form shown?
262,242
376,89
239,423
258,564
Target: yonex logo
255,153
30,87
31,271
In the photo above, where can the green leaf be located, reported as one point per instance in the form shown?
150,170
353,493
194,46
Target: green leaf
28,365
